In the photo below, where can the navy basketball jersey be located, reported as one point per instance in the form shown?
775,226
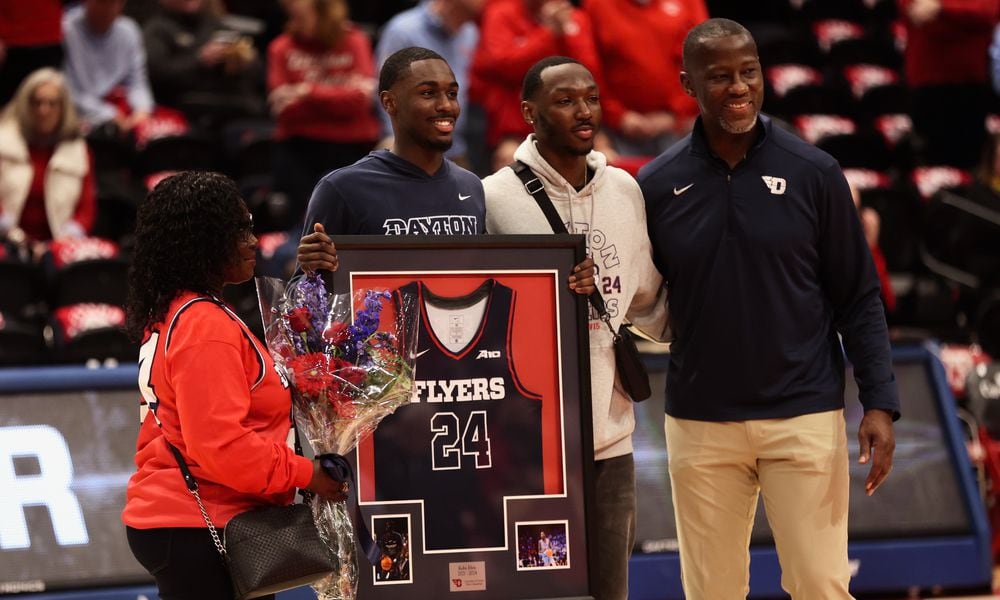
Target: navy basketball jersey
473,433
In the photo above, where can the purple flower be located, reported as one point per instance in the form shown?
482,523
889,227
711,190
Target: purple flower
365,325
310,294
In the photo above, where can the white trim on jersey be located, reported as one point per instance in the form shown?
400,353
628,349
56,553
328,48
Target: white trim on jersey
246,332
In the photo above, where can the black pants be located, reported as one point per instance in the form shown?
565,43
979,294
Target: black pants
184,563
614,507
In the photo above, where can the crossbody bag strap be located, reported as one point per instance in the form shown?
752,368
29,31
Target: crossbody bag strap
533,185
192,486
189,481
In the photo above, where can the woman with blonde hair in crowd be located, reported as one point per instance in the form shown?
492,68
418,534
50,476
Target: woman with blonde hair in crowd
321,85
47,188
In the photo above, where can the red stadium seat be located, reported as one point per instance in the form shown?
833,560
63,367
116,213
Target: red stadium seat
797,89
22,289
86,270
929,180
91,331
21,343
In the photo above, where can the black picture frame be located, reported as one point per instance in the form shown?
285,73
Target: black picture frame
531,262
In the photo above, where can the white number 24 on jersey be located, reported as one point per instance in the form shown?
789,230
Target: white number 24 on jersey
452,441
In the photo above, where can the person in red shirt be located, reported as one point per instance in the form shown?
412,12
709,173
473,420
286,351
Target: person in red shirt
639,45
209,386
30,39
321,81
515,34
46,172
947,69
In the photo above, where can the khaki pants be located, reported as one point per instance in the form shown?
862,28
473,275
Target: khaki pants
800,466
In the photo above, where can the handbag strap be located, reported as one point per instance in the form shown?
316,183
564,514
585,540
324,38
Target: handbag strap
533,185
192,486
192,483
334,464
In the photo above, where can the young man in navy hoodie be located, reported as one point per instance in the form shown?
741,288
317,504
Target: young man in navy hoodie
767,269
410,188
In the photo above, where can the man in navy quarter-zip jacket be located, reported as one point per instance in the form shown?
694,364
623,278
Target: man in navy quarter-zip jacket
767,267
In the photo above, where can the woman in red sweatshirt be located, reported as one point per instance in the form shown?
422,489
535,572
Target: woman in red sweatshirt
321,85
209,388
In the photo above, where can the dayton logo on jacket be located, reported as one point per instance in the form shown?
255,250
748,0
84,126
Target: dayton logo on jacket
777,185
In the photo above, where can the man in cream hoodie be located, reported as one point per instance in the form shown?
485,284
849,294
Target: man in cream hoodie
560,100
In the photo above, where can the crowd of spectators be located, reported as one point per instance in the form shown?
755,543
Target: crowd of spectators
104,96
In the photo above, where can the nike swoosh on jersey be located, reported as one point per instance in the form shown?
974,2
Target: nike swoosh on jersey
678,192
461,197
421,353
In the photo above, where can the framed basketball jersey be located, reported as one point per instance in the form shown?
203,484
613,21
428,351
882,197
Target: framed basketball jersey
471,414
495,445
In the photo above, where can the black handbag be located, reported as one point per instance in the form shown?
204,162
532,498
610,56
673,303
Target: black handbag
631,370
273,549
267,550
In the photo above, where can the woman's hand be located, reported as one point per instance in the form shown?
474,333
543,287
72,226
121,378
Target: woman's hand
316,251
327,487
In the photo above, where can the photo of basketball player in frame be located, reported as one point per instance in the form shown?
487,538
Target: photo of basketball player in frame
500,423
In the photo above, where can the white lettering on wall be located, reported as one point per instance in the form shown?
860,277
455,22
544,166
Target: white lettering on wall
49,488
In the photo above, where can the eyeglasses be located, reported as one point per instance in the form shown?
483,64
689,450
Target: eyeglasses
246,230
50,102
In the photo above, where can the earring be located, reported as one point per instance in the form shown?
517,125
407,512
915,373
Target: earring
531,122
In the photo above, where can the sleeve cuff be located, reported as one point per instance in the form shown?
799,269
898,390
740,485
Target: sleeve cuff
889,407
303,472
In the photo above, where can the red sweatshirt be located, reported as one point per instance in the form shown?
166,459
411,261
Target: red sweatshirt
37,23
640,49
511,42
952,48
334,110
34,220
224,407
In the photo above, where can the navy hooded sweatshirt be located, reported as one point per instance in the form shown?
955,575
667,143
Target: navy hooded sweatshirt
765,264
383,194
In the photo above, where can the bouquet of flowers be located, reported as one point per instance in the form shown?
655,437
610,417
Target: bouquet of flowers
345,377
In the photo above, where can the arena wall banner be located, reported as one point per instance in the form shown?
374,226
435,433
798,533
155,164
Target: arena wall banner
67,440
480,483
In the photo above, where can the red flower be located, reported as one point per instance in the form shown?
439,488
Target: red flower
336,333
299,319
313,375
343,406
337,363
352,375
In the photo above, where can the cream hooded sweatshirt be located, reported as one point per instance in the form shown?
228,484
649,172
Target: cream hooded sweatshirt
610,211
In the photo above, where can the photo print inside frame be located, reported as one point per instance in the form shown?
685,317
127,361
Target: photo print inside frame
393,535
542,545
